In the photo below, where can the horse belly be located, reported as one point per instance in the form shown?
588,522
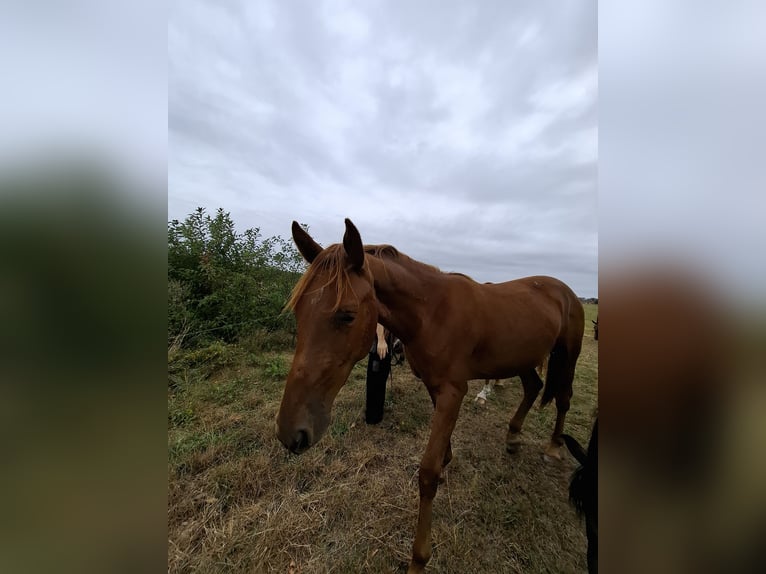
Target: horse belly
508,357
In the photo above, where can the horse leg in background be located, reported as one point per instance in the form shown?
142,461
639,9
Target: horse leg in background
483,394
542,368
447,407
532,385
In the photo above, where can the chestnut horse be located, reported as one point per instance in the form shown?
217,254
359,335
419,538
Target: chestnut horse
453,330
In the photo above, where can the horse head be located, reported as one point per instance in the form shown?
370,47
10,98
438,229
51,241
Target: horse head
336,312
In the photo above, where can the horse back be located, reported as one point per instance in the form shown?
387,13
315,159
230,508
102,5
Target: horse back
534,304
502,329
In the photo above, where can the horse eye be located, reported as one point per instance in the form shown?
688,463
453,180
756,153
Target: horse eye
344,317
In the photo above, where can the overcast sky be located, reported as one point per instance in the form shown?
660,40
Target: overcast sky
465,134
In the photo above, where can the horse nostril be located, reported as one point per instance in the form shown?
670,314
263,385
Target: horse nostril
300,442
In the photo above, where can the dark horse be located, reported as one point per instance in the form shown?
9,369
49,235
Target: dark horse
453,330
583,490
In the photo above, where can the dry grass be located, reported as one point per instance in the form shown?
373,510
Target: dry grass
238,502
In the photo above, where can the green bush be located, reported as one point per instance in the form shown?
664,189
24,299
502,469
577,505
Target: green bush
224,285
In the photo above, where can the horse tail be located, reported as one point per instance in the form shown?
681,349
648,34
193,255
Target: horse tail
555,376
563,357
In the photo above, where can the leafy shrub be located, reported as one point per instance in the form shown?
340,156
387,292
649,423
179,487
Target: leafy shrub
223,285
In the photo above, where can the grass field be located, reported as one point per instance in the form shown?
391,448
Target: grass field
239,502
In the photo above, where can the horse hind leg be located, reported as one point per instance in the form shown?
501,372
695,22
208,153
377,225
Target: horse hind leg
563,397
532,384
561,369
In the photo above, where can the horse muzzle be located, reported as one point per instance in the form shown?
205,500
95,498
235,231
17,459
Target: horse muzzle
296,441
299,443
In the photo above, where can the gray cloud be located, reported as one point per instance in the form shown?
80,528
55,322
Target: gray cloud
466,136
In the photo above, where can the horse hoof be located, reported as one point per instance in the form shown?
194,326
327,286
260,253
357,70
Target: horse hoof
480,402
512,442
552,453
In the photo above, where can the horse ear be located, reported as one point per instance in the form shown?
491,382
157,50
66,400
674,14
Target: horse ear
305,244
352,243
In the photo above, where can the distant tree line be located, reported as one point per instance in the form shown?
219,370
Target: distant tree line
224,285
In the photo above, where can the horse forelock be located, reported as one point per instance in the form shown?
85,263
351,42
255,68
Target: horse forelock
332,261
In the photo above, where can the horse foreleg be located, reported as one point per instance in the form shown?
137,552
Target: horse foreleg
447,407
532,385
448,452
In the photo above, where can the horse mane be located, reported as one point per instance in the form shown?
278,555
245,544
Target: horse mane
392,253
333,260
382,251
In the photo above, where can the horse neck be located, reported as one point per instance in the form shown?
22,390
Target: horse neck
402,288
